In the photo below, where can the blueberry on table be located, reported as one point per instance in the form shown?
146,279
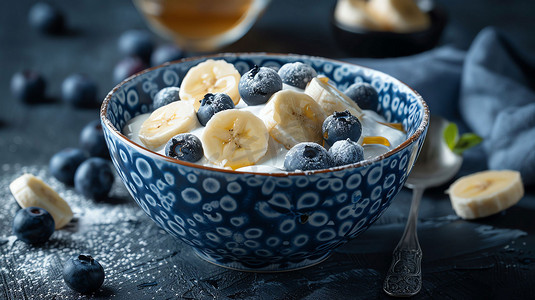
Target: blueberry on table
340,126
165,53
258,84
364,95
165,96
297,74
184,146
127,67
92,140
212,104
345,152
307,156
79,90
83,274
63,164
136,43
46,18
28,86
33,225
94,178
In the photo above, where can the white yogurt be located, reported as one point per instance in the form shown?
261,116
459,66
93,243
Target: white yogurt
273,161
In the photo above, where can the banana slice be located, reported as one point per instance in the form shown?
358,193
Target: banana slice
235,138
29,190
211,76
293,117
354,14
331,99
166,122
398,15
485,193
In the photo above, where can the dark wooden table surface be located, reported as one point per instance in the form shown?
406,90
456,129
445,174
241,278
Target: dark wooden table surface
487,258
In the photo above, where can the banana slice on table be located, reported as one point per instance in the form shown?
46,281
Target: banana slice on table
293,117
398,15
235,138
331,99
485,193
166,122
29,191
211,76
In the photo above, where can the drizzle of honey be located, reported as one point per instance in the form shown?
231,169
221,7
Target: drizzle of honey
375,140
323,79
397,126
309,113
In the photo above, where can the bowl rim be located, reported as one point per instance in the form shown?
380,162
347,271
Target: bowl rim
140,148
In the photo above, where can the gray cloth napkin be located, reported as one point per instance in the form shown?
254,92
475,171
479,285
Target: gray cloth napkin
487,90
497,101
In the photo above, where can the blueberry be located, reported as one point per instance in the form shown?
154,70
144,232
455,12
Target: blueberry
258,84
165,96
92,140
184,146
346,152
63,164
94,178
136,43
33,225
83,274
297,74
127,67
212,104
165,53
340,126
28,86
307,156
79,90
46,18
364,95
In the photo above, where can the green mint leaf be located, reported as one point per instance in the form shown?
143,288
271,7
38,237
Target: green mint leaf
451,133
466,141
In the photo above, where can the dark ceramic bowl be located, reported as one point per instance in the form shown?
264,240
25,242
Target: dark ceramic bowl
259,221
361,42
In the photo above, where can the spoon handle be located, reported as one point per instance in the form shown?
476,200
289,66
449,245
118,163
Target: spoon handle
404,277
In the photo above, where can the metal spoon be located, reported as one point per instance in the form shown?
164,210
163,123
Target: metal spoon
435,165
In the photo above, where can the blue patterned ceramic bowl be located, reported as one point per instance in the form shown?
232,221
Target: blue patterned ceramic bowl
262,222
